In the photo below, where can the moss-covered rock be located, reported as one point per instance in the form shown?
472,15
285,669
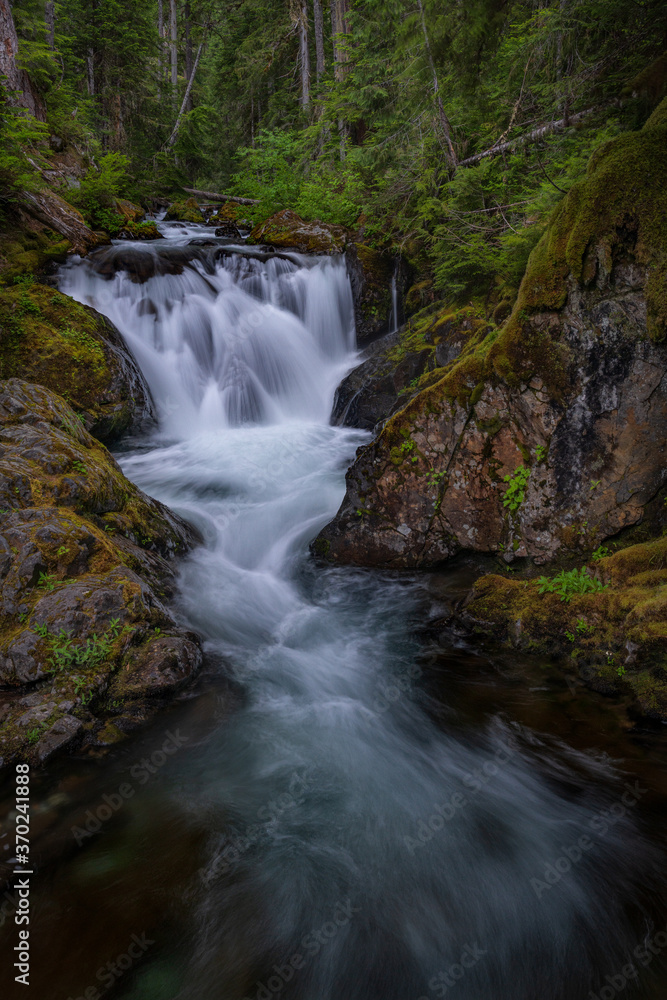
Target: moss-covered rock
86,561
184,211
400,365
571,389
139,231
287,229
615,639
127,210
48,338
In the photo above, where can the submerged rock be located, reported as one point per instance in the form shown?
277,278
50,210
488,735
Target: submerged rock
48,338
288,230
546,435
86,562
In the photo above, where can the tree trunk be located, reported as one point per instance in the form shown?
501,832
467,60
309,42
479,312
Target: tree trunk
174,134
90,66
160,47
17,80
340,28
304,54
173,47
444,121
50,18
320,66
188,48
221,197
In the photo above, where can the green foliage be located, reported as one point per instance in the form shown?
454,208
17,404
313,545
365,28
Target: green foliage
20,137
98,189
566,583
67,654
601,553
516,490
541,453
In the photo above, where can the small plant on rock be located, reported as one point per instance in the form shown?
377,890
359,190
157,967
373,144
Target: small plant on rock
569,582
516,491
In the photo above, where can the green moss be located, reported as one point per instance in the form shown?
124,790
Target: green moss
48,338
628,619
184,211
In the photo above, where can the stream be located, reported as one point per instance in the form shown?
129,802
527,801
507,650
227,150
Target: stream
341,808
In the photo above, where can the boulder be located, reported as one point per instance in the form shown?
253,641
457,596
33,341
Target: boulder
613,639
184,211
86,565
545,436
288,230
142,263
48,338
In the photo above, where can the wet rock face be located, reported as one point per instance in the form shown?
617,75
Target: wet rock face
371,275
86,563
288,230
568,398
400,365
48,338
142,263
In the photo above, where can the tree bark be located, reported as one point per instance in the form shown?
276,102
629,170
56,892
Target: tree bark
339,29
318,18
90,67
17,81
442,116
173,48
304,54
174,134
50,18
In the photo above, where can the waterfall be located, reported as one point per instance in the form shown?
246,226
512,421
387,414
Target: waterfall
354,849
253,342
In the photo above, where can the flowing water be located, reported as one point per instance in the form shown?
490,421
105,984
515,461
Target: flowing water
333,819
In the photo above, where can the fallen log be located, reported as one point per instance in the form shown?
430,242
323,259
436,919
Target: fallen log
537,133
221,197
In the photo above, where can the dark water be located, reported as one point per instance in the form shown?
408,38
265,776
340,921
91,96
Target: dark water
344,810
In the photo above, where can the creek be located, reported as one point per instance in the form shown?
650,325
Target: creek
341,808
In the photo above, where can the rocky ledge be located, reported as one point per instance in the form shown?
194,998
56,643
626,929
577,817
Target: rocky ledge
544,436
538,438
88,646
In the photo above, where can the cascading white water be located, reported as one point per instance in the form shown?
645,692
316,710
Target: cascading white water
344,827
254,342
